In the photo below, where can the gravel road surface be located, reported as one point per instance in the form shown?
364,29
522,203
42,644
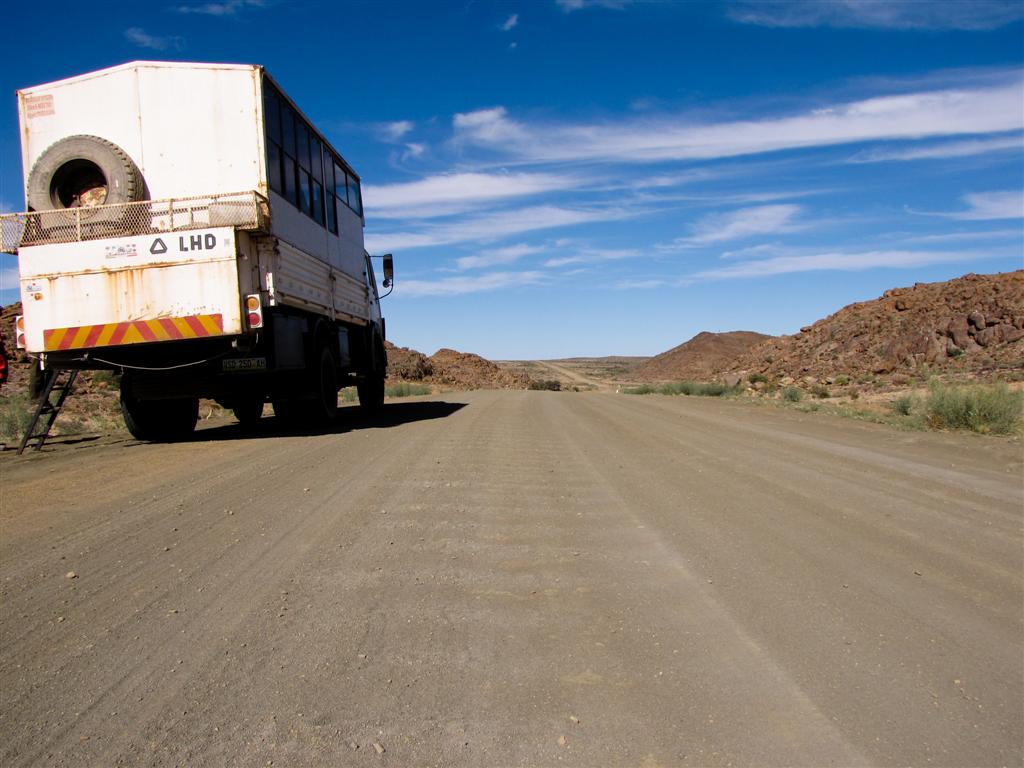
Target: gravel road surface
517,578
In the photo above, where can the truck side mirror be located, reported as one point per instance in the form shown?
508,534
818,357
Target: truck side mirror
389,270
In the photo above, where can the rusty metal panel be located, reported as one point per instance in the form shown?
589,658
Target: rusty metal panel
302,281
190,128
128,279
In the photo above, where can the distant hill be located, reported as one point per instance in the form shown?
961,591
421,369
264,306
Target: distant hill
701,357
447,367
972,324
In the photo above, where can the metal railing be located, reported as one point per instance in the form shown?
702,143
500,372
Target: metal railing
241,210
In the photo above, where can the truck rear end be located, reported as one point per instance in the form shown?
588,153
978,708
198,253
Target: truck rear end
139,254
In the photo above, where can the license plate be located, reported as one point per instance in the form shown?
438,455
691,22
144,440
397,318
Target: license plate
244,364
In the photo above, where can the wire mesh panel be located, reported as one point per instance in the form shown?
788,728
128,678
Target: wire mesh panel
243,210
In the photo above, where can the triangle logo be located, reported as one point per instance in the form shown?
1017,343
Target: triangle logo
158,247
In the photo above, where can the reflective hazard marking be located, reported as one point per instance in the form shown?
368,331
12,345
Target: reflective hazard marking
135,332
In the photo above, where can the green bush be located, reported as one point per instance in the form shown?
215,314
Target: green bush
754,378
643,389
699,388
15,414
820,391
986,409
552,385
405,389
792,395
903,405
842,380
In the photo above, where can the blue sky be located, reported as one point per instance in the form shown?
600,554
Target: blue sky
583,177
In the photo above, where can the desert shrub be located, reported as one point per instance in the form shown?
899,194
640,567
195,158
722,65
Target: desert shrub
754,378
792,395
406,389
643,389
107,379
15,415
820,391
699,388
552,385
903,405
987,409
348,395
842,380
955,352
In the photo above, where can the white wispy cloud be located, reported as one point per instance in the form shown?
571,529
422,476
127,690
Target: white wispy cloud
446,194
879,14
491,226
944,150
8,278
454,286
225,8
966,237
394,131
578,5
510,23
842,261
496,256
736,225
143,39
985,206
755,251
593,255
977,109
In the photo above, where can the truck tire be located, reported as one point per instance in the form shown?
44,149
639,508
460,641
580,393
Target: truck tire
158,421
371,393
324,406
248,411
318,403
81,172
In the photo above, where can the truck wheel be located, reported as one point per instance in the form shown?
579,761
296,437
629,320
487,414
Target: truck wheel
159,421
83,172
371,393
324,406
248,411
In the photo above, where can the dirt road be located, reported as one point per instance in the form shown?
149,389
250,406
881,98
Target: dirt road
517,578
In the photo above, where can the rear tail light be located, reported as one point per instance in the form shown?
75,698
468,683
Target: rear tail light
19,331
254,310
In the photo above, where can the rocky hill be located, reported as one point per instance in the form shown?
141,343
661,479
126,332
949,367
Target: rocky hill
449,368
972,325
701,357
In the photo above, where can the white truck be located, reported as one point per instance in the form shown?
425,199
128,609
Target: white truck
187,226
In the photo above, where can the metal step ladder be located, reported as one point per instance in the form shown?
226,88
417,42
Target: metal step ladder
59,383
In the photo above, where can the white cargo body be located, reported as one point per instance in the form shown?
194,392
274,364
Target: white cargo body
194,131
172,205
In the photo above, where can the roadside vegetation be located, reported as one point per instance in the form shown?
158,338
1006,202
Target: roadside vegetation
406,389
700,388
553,385
989,409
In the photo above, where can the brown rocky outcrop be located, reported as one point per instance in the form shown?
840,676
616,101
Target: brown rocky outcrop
699,358
450,368
973,324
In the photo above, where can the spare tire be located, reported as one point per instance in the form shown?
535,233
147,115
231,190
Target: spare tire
84,172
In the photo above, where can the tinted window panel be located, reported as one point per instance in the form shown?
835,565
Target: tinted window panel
302,144
318,202
288,181
304,192
288,130
274,166
355,198
315,158
332,213
339,183
272,113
